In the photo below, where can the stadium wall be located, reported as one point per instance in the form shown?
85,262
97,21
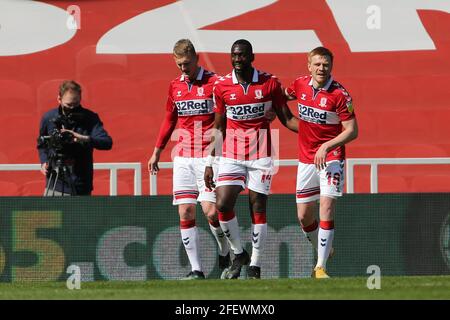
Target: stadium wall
137,238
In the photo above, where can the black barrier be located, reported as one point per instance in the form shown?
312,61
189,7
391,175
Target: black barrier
137,238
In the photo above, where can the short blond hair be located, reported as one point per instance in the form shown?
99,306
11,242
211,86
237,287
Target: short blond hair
320,51
184,47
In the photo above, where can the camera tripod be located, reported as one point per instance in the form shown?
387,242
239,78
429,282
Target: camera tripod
60,171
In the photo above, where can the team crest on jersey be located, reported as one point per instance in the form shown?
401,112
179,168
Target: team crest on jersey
232,96
303,97
350,106
200,92
178,93
323,102
258,94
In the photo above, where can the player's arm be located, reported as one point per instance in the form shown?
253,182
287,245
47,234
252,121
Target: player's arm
220,124
349,133
167,127
286,117
281,109
289,93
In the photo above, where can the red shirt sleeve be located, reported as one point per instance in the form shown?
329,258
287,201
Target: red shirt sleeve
278,98
219,104
291,90
344,106
169,123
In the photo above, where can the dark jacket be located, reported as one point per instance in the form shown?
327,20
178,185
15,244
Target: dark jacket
78,156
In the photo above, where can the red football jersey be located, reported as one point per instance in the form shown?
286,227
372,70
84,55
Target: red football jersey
248,129
191,104
321,112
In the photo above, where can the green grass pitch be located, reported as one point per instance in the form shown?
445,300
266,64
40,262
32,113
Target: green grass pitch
411,287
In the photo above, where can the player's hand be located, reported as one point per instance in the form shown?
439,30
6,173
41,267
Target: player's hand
153,167
44,168
209,178
321,157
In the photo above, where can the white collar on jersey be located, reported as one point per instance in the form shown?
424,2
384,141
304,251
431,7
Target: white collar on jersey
199,75
326,86
254,79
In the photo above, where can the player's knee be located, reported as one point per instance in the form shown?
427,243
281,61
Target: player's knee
186,212
222,206
305,217
211,215
306,221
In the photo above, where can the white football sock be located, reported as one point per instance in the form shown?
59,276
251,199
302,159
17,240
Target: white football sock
259,236
313,235
324,247
231,230
221,239
190,240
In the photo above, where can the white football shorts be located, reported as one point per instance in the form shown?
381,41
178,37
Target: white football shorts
256,174
188,181
311,183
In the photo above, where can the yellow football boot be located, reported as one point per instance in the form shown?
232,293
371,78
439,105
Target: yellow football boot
319,273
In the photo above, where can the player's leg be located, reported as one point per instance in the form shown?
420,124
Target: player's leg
306,214
185,195
258,205
307,194
226,200
326,230
232,175
226,197
331,183
207,199
231,179
259,183
190,238
209,209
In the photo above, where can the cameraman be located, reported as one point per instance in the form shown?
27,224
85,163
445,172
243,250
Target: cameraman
68,135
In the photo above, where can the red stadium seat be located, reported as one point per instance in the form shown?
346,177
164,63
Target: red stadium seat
93,66
369,129
115,95
19,133
3,157
386,184
421,151
8,188
17,97
33,188
101,187
156,101
404,127
431,183
129,143
47,93
439,125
